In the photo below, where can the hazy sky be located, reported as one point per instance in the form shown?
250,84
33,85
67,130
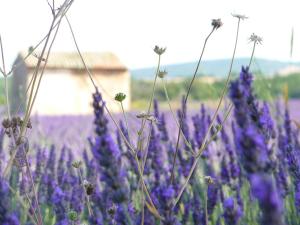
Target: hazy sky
131,28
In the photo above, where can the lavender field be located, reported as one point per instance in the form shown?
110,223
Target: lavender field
249,172
235,162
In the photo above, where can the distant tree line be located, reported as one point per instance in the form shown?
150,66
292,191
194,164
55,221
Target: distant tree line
265,87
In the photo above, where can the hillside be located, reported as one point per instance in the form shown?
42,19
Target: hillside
217,68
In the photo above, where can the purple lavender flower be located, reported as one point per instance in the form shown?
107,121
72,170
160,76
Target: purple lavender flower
48,180
250,141
58,202
108,156
267,122
6,217
161,125
263,190
232,211
293,162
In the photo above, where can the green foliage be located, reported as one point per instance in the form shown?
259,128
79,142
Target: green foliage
266,88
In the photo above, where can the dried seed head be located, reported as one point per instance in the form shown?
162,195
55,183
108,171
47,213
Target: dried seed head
112,210
120,97
6,123
146,116
89,187
77,164
216,23
255,38
209,180
162,74
158,50
16,122
152,119
142,115
29,125
239,16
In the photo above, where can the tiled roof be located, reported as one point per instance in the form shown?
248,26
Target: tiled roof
71,60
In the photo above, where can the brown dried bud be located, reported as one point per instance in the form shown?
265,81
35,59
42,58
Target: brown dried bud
89,187
6,123
112,210
216,23
209,180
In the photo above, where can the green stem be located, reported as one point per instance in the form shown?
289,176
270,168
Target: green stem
185,101
86,196
140,132
22,203
205,199
174,117
210,126
5,80
126,122
252,54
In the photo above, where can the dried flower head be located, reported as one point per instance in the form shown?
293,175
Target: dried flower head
6,123
239,16
112,210
16,122
148,117
120,97
142,115
255,38
162,73
216,23
89,187
152,119
158,50
77,164
209,180
73,216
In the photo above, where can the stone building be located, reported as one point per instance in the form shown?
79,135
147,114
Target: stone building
66,88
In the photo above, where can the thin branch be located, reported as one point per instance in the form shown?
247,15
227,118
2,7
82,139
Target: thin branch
252,54
5,80
174,117
184,104
211,124
22,203
155,211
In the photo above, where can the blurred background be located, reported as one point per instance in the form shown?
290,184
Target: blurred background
117,39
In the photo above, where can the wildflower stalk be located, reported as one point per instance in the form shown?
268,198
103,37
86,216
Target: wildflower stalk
185,101
205,205
5,79
140,132
88,203
126,122
30,104
153,208
30,52
174,117
204,142
67,4
79,52
256,40
143,161
252,54
31,207
20,200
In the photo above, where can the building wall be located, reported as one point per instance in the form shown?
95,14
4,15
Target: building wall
18,89
67,92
